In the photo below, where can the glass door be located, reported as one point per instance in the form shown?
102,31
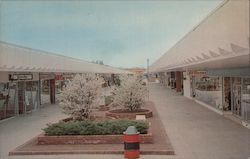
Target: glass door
246,99
236,96
12,93
227,94
31,95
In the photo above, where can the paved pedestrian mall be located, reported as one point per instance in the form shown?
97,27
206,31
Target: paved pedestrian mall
195,132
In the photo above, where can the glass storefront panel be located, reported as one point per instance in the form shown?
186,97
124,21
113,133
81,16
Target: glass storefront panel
11,107
236,96
59,87
31,95
209,91
246,99
227,94
45,91
3,100
7,100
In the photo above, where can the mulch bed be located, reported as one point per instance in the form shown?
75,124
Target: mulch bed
161,145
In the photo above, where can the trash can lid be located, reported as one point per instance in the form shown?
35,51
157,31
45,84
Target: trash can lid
131,130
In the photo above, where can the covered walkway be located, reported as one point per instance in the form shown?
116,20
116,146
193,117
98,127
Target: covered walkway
195,132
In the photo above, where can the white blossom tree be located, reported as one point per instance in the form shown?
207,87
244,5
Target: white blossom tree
131,94
81,95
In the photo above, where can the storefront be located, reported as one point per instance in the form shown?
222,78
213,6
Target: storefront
18,93
226,91
237,96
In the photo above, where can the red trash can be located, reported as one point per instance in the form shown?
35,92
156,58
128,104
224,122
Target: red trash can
131,140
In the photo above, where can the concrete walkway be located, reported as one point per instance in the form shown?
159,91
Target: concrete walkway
195,132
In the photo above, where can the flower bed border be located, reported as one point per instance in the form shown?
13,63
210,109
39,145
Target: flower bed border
130,115
88,139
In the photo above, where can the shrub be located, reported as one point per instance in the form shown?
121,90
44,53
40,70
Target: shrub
130,94
88,127
81,95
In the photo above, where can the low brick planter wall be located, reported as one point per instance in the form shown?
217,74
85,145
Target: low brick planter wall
103,108
130,115
88,139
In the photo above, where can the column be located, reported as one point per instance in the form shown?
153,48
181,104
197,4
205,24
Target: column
52,91
20,93
178,81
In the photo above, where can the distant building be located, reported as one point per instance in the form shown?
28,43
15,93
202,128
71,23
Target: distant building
136,70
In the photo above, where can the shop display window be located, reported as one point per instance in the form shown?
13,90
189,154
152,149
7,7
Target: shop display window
3,100
209,91
7,100
45,91
31,95
208,83
59,86
246,99
45,87
227,94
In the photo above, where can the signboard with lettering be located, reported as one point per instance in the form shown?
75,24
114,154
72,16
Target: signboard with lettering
46,76
14,77
197,73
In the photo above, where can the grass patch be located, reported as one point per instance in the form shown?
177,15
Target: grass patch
87,127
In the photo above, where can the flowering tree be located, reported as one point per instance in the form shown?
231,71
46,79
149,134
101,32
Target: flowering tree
81,95
130,94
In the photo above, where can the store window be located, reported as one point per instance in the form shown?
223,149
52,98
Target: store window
31,95
45,91
60,84
7,100
209,91
227,106
246,99
237,96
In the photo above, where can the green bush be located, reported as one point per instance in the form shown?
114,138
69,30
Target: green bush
94,128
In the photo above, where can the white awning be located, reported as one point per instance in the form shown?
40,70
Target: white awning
218,39
22,59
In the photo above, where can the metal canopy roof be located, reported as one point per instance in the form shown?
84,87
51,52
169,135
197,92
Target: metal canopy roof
17,58
215,42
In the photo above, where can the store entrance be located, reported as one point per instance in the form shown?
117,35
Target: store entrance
236,96
192,90
227,95
31,96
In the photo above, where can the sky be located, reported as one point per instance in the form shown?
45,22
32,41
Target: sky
120,33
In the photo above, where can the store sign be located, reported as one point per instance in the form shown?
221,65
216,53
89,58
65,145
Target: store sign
14,77
45,76
197,73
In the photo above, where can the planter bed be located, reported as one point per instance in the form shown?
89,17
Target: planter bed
161,144
88,139
120,113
